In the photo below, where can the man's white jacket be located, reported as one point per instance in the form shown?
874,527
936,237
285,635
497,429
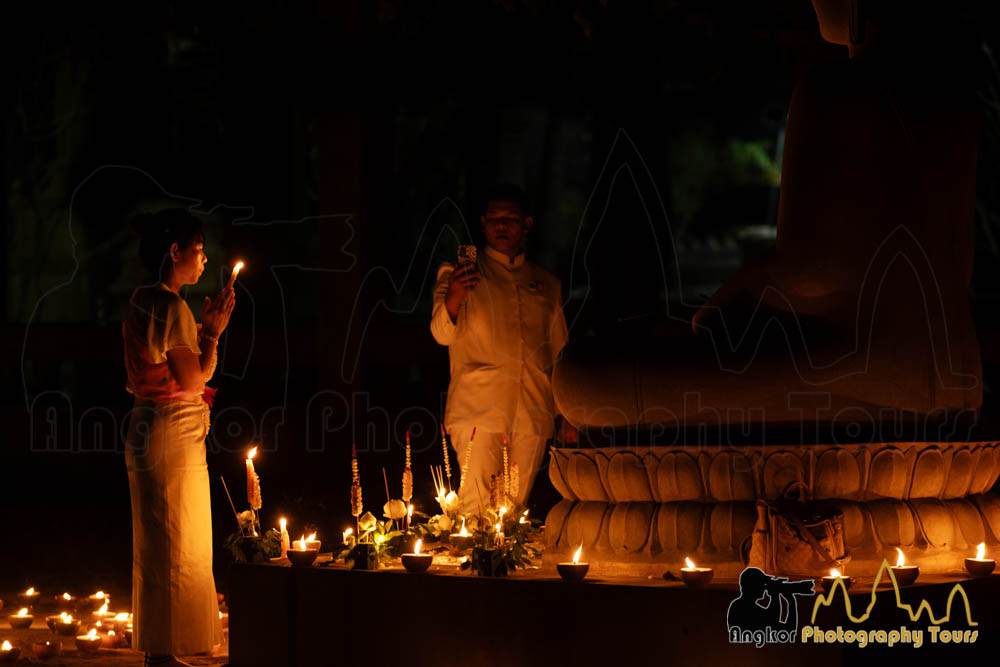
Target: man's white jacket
502,346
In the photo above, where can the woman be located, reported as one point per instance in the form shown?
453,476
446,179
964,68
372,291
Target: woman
169,358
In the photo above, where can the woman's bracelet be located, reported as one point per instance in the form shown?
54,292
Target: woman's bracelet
214,339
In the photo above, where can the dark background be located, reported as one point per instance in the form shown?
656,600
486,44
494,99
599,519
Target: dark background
338,148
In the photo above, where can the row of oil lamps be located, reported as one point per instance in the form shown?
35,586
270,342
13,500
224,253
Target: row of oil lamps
107,629
303,552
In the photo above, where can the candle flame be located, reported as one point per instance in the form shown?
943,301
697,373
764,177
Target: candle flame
409,512
111,633
236,269
253,453
62,616
463,532
23,612
981,551
220,615
416,547
100,625
347,533
900,561
92,634
503,510
103,610
835,573
689,562
283,523
576,556
379,538
300,543
7,646
67,596
498,528
68,619
30,591
311,538
123,616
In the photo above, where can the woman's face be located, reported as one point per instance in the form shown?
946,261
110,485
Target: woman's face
189,263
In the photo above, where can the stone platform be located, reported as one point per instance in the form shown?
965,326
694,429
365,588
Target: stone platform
297,617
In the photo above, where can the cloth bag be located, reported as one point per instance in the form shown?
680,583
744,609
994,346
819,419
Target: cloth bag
796,537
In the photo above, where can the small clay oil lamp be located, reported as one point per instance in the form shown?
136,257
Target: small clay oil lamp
829,580
904,574
66,602
89,643
110,639
102,613
21,620
117,622
694,576
980,566
303,552
461,540
9,653
53,621
92,602
29,597
46,650
68,626
575,570
416,562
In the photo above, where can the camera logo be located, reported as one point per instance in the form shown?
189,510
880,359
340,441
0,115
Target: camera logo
765,611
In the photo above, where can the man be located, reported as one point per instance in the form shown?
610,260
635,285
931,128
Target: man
503,323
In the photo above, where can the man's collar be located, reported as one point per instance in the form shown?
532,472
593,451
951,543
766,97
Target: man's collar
498,256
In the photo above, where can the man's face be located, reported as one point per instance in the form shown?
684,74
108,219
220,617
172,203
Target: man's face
504,226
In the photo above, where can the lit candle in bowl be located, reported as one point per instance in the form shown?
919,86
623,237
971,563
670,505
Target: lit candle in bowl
21,620
904,574
831,579
574,571
52,621
416,562
102,613
461,540
694,576
88,643
46,650
68,626
66,602
980,566
303,551
9,653
110,640
29,597
92,602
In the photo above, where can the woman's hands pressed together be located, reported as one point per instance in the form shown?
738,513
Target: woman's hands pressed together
216,312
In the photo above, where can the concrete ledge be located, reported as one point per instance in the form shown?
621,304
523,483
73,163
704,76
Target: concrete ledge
285,617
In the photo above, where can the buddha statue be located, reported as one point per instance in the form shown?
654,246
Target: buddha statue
861,306
859,312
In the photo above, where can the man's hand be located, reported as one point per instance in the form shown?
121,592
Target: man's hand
462,281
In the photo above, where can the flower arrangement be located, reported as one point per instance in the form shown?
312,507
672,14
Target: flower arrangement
503,541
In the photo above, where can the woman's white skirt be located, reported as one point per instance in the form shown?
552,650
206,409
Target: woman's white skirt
173,590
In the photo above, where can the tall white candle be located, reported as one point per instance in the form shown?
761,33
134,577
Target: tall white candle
284,537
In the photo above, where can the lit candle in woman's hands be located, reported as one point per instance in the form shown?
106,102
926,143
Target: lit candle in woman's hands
236,272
